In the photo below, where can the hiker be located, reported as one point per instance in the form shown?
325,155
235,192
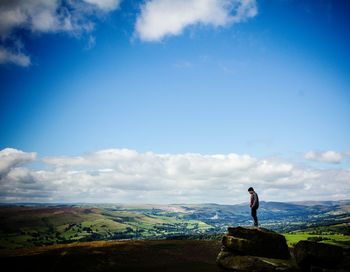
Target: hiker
254,204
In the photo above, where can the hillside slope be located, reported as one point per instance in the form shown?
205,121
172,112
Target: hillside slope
161,255
27,225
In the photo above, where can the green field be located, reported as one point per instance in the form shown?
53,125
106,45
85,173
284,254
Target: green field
336,239
35,226
336,234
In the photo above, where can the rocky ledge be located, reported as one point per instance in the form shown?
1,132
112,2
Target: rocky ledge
262,250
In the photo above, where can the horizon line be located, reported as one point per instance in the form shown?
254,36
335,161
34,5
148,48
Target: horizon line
160,204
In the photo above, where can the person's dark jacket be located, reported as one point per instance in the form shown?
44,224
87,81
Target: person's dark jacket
254,202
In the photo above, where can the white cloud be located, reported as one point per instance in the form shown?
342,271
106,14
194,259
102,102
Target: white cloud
11,158
17,58
35,15
123,175
46,16
106,5
158,18
327,156
161,18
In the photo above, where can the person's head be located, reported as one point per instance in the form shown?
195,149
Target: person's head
250,190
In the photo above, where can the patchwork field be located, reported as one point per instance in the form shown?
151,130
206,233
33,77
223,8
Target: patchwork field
35,226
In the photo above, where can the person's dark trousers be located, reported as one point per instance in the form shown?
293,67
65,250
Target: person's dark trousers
254,216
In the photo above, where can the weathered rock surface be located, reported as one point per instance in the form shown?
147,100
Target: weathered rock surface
229,260
262,250
256,242
312,255
255,249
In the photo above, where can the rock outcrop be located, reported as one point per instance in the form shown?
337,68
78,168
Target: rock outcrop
256,250
256,242
262,250
313,256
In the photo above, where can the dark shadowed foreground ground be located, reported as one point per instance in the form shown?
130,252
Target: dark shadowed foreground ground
161,255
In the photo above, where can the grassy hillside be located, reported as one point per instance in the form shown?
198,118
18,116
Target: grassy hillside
35,225
337,234
336,239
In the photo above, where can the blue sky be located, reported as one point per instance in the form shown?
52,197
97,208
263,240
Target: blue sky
269,79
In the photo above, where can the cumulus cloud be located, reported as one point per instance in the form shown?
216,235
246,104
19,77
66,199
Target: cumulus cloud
45,16
161,18
157,19
327,156
17,58
11,158
36,16
123,175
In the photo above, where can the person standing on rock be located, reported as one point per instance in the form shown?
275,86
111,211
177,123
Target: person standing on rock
254,204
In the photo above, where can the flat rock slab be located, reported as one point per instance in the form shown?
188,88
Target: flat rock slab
239,263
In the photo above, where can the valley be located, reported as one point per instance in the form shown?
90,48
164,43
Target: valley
30,225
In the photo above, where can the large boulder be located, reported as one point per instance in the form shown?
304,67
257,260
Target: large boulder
256,250
256,242
310,255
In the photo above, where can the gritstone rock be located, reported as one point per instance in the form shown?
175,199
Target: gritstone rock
256,250
229,260
312,254
256,242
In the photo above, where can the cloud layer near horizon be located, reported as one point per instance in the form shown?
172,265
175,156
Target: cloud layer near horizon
327,156
123,175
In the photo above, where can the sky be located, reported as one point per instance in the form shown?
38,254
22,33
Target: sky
174,101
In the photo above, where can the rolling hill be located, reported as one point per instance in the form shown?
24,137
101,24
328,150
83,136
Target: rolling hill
28,225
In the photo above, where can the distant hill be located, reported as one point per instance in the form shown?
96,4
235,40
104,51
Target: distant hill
27,225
